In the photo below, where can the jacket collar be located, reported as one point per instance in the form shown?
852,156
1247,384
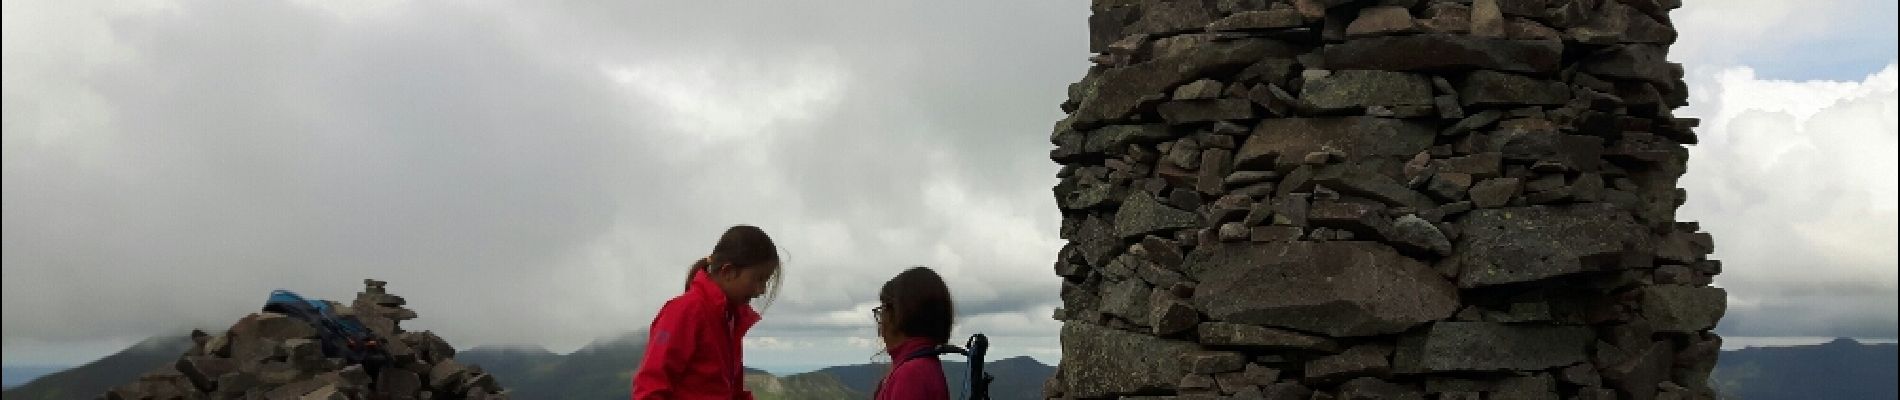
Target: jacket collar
706,290
903,349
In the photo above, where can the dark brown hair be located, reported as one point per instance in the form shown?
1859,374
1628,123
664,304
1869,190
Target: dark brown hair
743,246
917,304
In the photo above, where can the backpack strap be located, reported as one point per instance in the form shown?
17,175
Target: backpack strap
932,351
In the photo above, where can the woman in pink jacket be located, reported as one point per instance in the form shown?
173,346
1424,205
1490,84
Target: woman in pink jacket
914,316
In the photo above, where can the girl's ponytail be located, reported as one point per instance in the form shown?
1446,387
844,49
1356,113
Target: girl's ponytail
697,266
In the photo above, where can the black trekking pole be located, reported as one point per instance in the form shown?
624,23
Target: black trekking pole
980,388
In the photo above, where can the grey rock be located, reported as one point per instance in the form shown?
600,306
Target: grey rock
1494,192
1683,309
1485,346
1254,336
1128,299
1275,233
1536,387
1123,88
1287,390
1361,181
1448,186
1281,142
1205,110
1341,289
1351,89
1378,21
1213,362
1098,240
1234,232
1244,178
1173,316
1415,234
1290,210
1438,52
1523,244
1112,137
1259,20
1487,20
1489,88
1214,166
1632,61
1362,360
1142,214
1369,388
1200,89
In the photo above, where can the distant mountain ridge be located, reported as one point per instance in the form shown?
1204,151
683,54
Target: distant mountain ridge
1841,369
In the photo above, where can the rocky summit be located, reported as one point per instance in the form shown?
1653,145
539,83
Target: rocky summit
1421,199
267,355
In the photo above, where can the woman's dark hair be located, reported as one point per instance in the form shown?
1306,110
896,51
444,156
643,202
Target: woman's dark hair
917,304
743,246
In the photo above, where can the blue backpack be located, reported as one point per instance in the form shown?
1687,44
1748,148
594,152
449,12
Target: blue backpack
340,336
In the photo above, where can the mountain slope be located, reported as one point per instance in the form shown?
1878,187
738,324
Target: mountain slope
1841,369
95,378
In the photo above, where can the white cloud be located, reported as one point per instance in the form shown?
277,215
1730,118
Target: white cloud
1797,182
775,343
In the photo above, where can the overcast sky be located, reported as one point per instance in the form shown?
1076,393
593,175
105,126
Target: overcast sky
542,174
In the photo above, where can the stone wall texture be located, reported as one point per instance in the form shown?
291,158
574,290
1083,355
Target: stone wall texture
1380,199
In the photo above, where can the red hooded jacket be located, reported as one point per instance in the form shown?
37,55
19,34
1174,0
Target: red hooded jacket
919,378
693,348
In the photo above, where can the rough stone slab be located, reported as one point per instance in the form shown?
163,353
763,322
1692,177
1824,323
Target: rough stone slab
1123,88
1113,138
1142,214
1491,88
1364,88
1281,142
1213,362
1341,289
1259,20
1254,336
1494,192
1379,21
1375,388
1479,166
1440,52
1099,361
1173,316
1359,181
1275,233
1362,360
1523,244
1414,234
1098,241
1634,61
1485,346
1205,110
1683,309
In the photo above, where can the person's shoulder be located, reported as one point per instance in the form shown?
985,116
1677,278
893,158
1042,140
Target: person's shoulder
684,303
921,365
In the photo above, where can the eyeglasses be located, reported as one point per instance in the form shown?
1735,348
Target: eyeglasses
877,314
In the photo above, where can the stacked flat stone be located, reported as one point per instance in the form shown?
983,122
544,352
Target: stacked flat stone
267,355
1380,199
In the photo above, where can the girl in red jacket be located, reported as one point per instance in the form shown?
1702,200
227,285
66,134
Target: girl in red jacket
693,346
914,315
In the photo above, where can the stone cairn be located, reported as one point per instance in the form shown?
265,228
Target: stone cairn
270,356
1380,199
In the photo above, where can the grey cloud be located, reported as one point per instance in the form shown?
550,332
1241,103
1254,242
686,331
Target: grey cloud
482,161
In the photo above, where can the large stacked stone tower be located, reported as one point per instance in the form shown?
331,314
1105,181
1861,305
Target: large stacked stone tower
1380,199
